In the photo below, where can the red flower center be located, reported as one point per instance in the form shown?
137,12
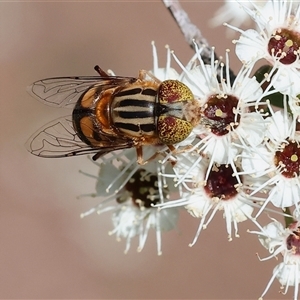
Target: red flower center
284,44
219,114
289,159
221,183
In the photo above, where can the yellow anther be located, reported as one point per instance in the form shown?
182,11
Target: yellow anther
294,158
219,113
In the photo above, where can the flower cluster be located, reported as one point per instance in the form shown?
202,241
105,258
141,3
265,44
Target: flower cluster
130,192
242,157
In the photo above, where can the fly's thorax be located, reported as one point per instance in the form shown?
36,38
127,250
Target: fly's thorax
133,110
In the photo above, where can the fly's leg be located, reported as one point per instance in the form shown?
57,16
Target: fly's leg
171,157
143,74
140,159
178,151
173,150
139,153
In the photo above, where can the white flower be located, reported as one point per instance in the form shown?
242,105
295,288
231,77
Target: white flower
277,40
283,241
213,189
130,221
278,162
163,73
130,192
232,12
227,120
294,103
186,168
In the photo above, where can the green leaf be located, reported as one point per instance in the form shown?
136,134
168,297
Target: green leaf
276,99
288,220
261,72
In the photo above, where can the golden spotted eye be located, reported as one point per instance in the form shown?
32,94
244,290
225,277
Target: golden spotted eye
171,91
172,124
172,130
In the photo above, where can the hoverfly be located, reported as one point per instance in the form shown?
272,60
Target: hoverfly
112,113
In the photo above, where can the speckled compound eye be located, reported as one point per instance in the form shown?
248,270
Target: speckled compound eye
172,125
172,130
171,91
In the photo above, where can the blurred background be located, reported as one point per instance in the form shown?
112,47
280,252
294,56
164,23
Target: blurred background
46,250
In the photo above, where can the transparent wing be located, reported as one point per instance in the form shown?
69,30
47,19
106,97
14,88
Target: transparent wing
65,91
59,139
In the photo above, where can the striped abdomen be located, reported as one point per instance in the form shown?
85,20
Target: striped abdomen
133,110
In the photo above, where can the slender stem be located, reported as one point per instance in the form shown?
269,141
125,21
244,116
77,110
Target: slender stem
191,32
